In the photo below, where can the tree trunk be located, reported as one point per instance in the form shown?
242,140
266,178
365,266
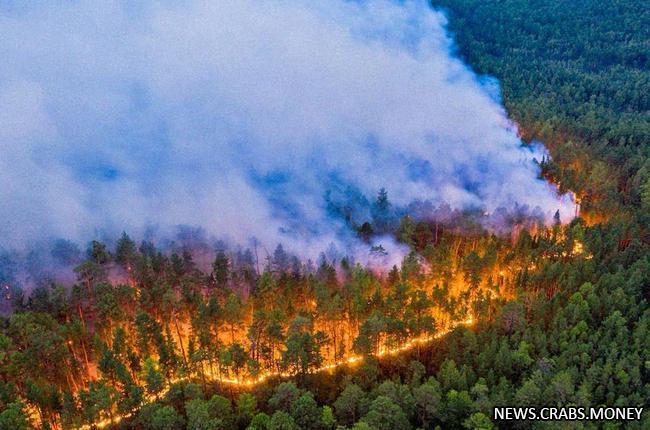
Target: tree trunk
180,340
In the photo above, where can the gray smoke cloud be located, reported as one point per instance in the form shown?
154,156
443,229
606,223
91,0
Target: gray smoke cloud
241,117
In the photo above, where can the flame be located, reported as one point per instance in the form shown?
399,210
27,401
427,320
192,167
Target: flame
252,382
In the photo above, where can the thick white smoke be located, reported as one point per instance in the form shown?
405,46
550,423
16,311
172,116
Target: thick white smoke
241,116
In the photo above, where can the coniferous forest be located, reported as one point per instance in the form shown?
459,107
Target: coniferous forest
158,336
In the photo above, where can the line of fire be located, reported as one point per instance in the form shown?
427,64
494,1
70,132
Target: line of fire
138,320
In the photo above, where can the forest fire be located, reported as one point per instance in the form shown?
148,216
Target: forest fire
316,193
161,319
250,383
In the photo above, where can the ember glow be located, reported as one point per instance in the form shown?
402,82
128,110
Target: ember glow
252,382
306,186
139,320
445,295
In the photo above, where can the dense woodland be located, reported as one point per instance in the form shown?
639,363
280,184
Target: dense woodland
151,338
574,75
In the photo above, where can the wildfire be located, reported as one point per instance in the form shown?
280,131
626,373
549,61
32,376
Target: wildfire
579,249
252,382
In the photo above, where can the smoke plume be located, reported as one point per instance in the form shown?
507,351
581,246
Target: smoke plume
248,118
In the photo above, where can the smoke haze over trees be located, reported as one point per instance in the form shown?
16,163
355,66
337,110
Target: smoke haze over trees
184,331
279,120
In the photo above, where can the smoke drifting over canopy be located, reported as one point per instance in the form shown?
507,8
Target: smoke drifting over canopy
241,117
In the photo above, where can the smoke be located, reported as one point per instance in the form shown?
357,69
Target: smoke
247,118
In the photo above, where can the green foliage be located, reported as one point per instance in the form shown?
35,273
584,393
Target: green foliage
428,402
575,75
399,394
14,417
384,414
478,421
302,347
198,415
98,402
282,421
351,404
561,315
246,409
154,379
167,418
261,421
284,397
305,412
220,409
214,414
327,421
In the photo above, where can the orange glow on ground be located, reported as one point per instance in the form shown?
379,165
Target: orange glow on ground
252,382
